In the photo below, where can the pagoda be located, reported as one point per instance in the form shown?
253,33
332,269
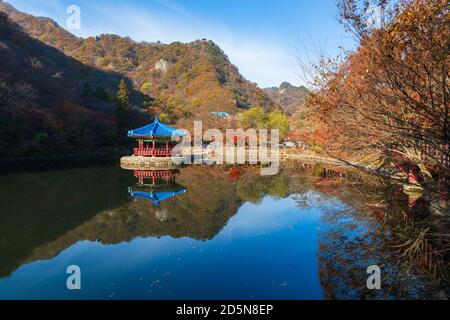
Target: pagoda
156,186
155,140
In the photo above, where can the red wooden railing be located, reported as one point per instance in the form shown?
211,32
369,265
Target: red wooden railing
438,156
159,152
156,174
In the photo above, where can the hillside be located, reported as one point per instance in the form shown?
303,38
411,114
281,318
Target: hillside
289,97
179,80
44,105
57,91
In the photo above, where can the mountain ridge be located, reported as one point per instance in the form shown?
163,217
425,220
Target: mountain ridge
199,78
57,91
288,96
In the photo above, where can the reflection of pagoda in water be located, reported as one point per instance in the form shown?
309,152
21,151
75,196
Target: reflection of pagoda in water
200,214
156,186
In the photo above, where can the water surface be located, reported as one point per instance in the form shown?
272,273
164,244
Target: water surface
199,233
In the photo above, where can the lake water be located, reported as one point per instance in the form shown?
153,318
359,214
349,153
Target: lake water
202,233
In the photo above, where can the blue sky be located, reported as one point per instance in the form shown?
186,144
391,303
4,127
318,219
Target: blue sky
262,37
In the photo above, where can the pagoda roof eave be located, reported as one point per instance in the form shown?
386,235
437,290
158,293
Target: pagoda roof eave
156,197
136,136
154,130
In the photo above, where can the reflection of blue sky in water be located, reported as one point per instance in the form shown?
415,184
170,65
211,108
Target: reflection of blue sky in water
267,250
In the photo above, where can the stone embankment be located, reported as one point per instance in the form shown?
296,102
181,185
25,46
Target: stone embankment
147,163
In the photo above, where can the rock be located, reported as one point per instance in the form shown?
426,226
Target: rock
162,65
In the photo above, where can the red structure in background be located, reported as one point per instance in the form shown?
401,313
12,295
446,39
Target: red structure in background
165,175
439,160
437,157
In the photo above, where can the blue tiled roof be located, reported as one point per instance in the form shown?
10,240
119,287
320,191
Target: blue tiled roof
156,197
157,128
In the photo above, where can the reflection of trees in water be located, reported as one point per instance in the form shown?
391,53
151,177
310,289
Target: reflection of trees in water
115,217
383,228
367,222
253,187
302,200
39,207
421,240
350,245
379,224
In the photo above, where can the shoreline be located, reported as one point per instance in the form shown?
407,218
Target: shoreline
314,158
51,161
115,155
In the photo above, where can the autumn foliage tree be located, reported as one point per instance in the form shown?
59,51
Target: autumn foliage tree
390,99
258,118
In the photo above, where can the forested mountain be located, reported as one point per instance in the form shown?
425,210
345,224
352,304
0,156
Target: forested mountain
57,91
183,79
43,107
289,97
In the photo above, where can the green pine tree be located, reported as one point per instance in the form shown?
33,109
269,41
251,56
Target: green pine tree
122,111
123,96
